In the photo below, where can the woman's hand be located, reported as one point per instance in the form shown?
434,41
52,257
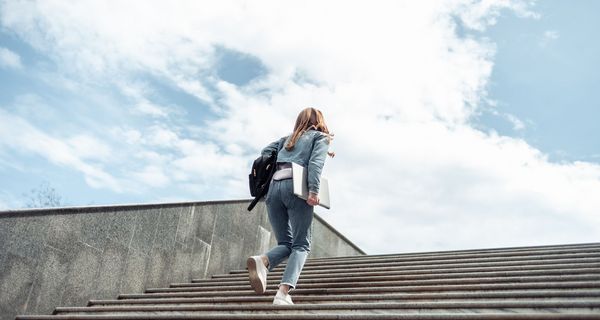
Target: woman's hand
313,199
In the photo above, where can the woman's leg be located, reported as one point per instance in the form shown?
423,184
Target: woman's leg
258,266
278,217
300,216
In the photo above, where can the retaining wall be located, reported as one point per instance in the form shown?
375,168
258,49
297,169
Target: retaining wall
67,256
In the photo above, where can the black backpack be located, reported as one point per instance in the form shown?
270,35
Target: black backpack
261,174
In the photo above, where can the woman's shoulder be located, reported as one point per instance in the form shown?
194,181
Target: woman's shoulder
316,133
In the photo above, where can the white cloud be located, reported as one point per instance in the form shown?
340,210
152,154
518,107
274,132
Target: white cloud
206,160
153,176
477,15
516,122
147,107
159,157
396,84
88,147
161,137
88,41
18,134
139,92
9,59
129,136
549,36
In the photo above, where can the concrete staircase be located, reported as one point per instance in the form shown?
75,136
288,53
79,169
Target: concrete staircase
545,282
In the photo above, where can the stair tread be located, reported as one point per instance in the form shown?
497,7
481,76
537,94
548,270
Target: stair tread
400,282
300,290
315,316
443,256
401,271
541,294
499,249
524,265
490,304
351,277
444,262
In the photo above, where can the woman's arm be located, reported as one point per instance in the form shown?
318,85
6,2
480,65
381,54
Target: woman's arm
273,146
316,162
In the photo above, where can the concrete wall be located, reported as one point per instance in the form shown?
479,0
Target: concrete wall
66,256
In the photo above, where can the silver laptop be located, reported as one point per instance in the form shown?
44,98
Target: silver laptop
300,175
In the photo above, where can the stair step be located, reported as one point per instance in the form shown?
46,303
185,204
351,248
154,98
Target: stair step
546,248
595,249
399,297
567,285
399,282
362,277
540,259
404,271
461,266
321,316
588,305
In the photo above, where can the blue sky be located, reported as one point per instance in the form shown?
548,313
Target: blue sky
545,75
454,121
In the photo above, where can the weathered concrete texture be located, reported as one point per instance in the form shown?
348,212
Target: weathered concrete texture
326,240
67,256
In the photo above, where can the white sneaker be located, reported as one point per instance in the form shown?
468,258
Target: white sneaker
282,299
258,274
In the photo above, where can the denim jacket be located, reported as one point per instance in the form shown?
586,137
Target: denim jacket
309,151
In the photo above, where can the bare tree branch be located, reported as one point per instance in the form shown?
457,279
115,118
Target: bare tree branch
44,196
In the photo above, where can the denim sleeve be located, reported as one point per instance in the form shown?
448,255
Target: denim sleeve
316,162
273,146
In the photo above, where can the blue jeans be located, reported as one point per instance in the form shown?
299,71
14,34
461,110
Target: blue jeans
291,218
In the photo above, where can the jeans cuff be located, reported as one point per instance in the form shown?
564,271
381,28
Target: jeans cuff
292,287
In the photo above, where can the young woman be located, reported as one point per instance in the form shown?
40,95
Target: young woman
290,216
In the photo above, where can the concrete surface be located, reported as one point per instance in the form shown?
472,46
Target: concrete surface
67,256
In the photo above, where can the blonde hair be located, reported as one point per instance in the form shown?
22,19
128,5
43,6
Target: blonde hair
309,118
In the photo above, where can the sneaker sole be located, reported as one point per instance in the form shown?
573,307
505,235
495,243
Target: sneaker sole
280,302
253,274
